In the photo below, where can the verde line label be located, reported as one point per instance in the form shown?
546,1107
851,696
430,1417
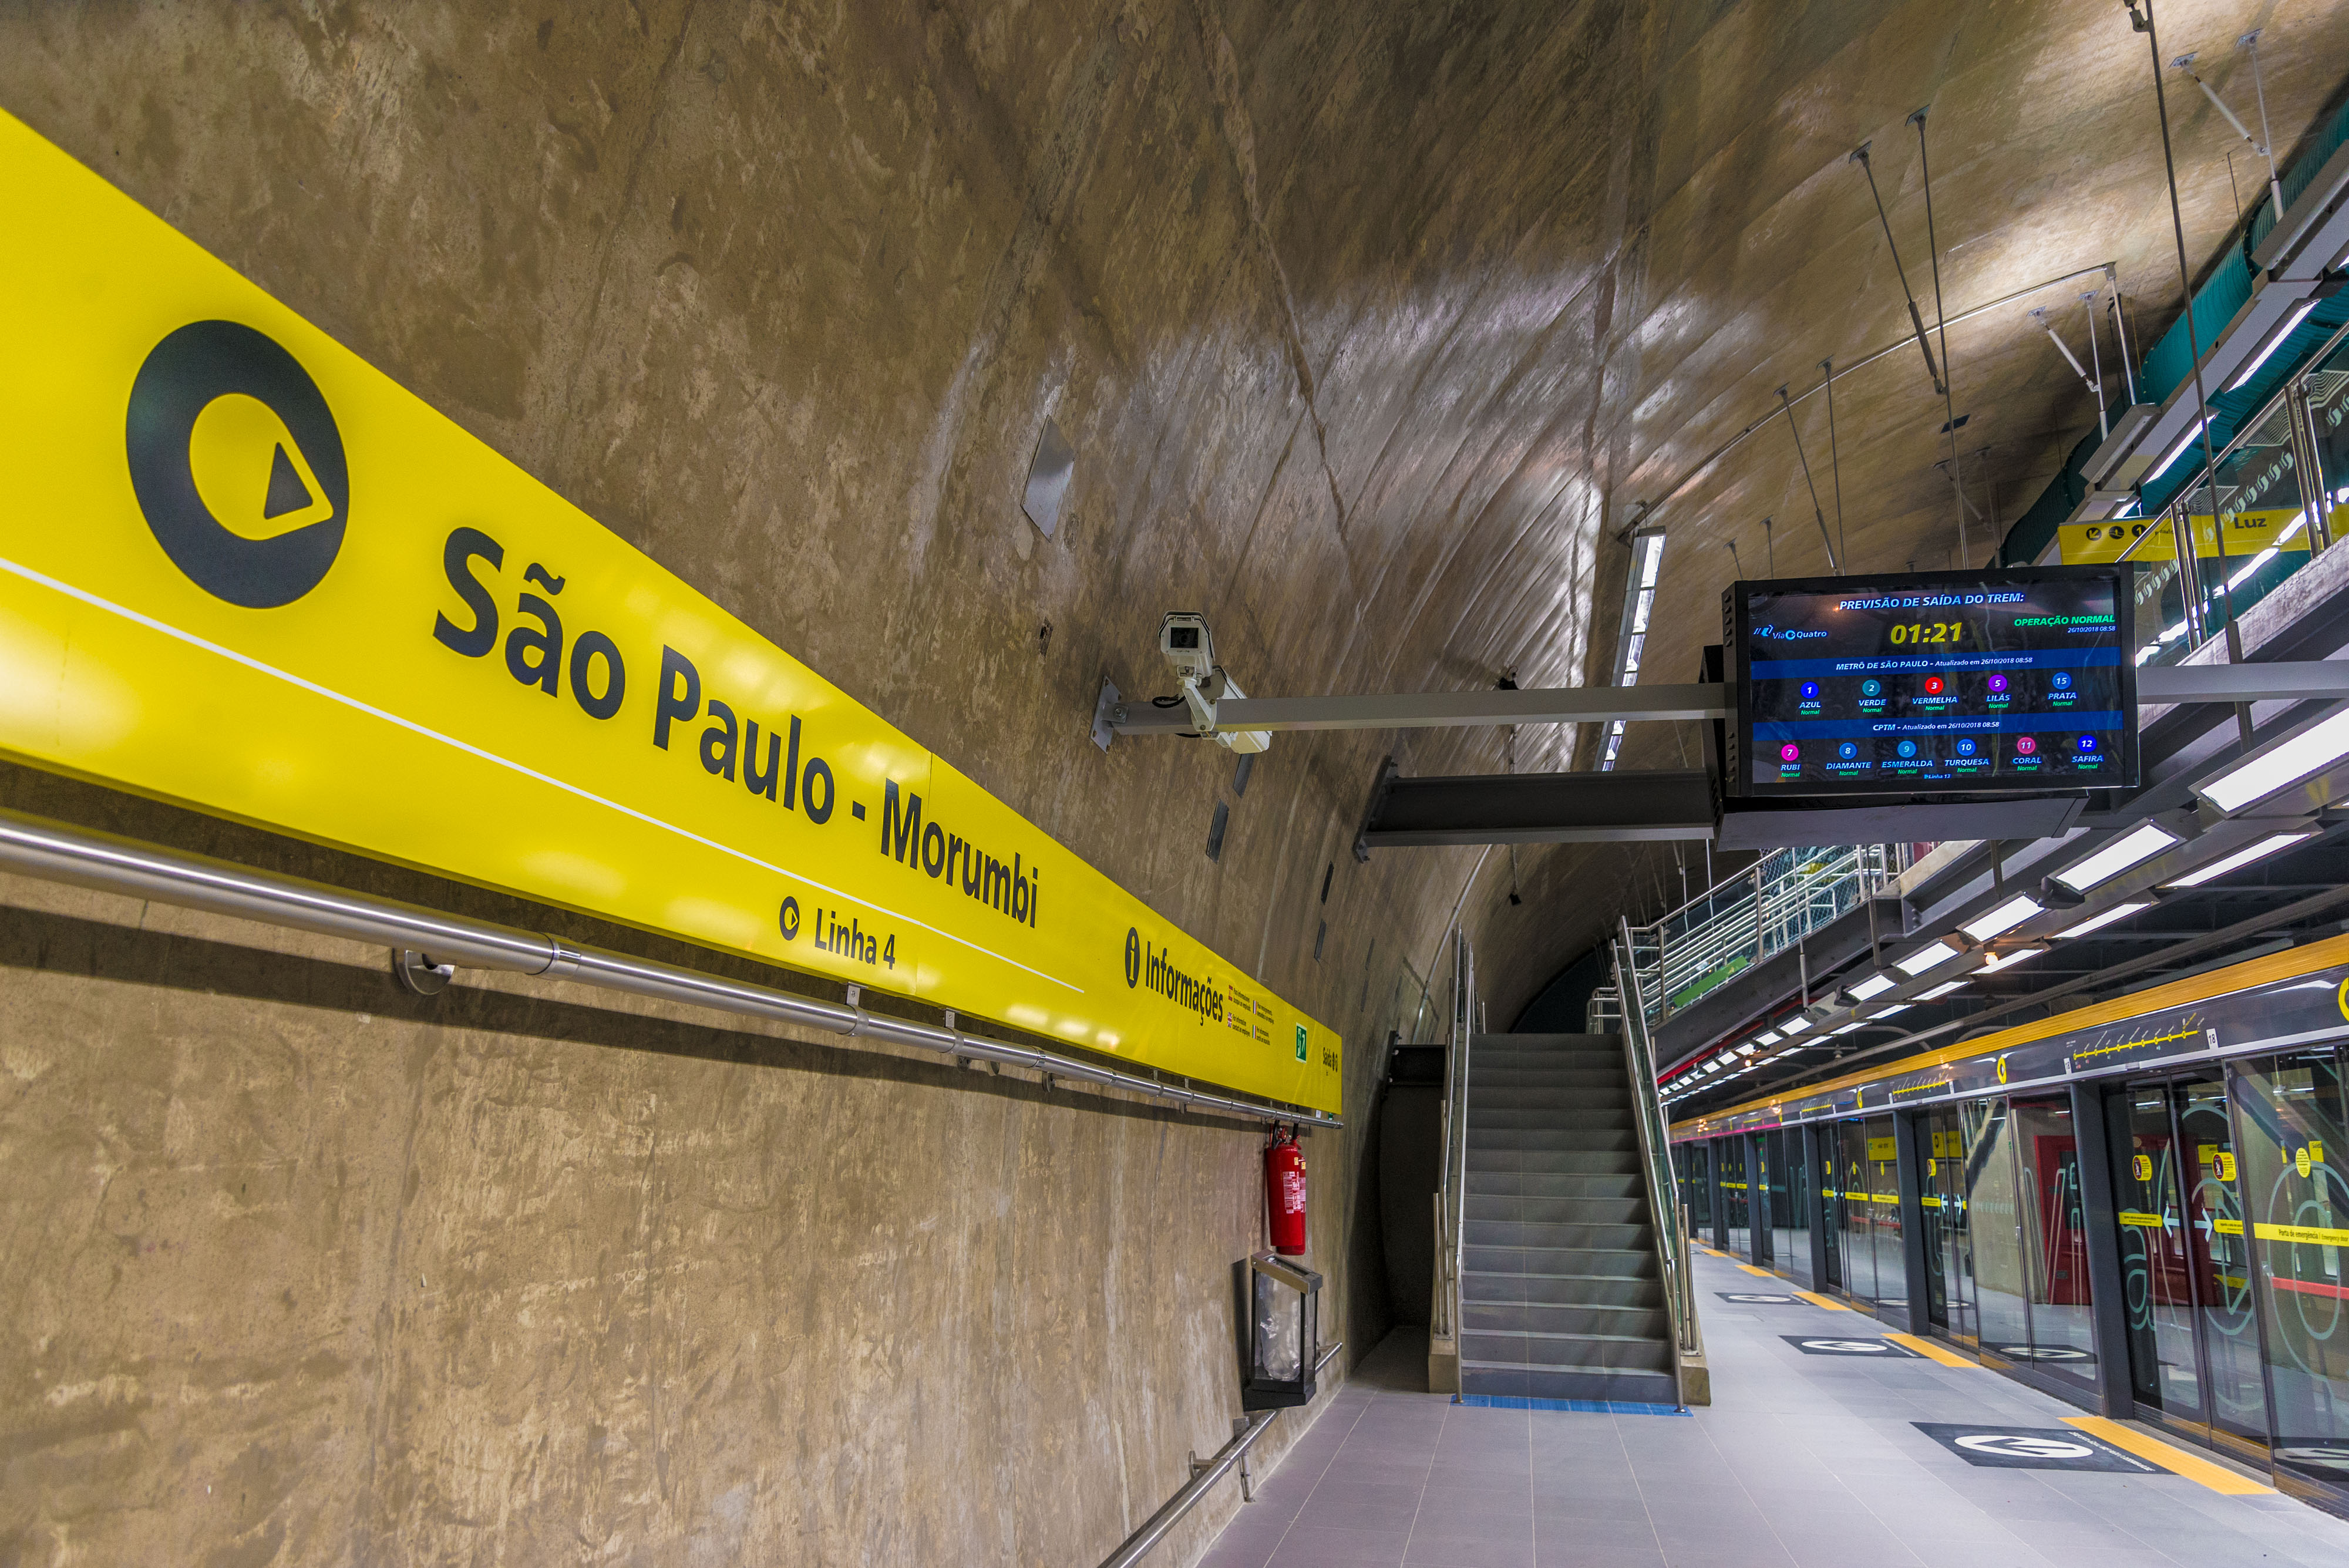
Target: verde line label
239,568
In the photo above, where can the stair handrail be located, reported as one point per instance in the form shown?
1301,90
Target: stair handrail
1451,1197
1655,1160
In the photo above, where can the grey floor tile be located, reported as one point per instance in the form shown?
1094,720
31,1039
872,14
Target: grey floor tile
1335,1548
1801,1462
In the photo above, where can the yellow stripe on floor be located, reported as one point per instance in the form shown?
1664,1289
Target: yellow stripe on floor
2146,1446
1822,1302
1928,1350
1750,1268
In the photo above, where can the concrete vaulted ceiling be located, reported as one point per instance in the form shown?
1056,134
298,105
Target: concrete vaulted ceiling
1371,327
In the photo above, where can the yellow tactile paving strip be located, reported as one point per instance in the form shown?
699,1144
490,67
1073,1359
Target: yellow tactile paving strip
2146,1446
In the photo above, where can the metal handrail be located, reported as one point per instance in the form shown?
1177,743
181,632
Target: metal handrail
1204,1473
1655,1157
55,852
1451,1195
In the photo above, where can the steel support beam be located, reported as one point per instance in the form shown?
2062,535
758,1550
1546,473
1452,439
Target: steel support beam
2158,685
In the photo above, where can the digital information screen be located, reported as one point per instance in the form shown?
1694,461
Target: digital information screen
1943,682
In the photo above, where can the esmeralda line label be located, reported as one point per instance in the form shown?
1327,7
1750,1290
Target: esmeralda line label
242,569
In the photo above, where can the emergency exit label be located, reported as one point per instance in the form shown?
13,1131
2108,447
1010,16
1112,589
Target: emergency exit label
242,570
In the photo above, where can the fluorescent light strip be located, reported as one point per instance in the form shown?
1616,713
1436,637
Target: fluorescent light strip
2192,432
1767,1037
2244,857
2262,775
1924,958
2290,325
1943,990
1889,1012
2134,848
1795,1024
1874,985
2004,919
2003,959
1854,1023
2118,912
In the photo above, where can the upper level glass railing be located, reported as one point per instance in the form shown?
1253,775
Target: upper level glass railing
1749,917
2216,550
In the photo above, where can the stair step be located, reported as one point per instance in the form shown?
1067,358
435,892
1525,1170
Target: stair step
1614,1099
1534,1233
1553,1290
1576,1210
1546,1119
1561,1262
1570,1322
1490,1081
1497,1380
1622,1183
1590,1351
1505,1152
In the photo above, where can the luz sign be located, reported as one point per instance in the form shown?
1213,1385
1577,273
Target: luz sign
239,568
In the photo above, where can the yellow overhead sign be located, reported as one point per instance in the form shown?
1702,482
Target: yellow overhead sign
242,569
2247,533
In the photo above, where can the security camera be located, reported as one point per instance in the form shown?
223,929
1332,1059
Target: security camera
1189,649
1183,639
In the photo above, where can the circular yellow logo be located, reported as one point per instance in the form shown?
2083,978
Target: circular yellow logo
2300,1161
2001,1069
2341,998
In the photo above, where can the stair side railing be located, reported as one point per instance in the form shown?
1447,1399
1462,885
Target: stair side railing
1451,1181
1665,1215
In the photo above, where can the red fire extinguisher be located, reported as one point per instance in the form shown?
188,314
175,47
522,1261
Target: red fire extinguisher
1284,1192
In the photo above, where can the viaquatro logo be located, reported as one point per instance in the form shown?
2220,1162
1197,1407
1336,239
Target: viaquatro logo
237,465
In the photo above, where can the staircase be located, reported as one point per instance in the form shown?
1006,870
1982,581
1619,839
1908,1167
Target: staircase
1560,1290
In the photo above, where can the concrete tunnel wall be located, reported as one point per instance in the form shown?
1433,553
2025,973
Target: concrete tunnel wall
1369,325
309,1270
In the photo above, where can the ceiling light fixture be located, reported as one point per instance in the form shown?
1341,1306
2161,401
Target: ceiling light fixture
1639,605
2289,761
2004,919
1748,1048
1795,1024
2291,323
1943,990
2097,922
1874,985
1889,1012
2002,960
1925,957
2243,856
2134,848
2193,431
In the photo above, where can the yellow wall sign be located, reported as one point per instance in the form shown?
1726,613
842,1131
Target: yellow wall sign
242,569
2247,533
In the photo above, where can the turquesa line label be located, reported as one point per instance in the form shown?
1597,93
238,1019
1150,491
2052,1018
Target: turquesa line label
242,569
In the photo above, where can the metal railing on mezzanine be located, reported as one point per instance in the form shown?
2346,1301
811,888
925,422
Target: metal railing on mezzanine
1743,921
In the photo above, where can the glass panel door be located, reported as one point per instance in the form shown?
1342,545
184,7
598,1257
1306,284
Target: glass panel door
1994,1213
1858,1245
1760,1155
1949,1262
2156,1288
1795,1256
1828,1141
1730,1160
2295,1132
1884,1213
2235,1389
2063,1332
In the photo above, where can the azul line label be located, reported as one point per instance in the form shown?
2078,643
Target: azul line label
242,569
